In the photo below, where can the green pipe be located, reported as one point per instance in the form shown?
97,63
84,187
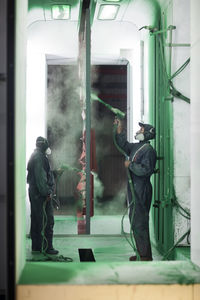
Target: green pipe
165,234
168,149
180,69
44,224
170,54
157,143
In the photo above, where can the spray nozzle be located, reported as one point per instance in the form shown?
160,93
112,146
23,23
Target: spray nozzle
116,111
65,167
150,28
119,114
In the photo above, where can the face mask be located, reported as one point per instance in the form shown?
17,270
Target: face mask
48,151
139,136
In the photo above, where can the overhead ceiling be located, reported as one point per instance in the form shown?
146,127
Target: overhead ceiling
60,37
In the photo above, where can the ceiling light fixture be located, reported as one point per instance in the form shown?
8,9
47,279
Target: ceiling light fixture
60,12
108,11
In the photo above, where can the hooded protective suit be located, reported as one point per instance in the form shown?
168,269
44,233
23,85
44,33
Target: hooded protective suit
41,187
143,160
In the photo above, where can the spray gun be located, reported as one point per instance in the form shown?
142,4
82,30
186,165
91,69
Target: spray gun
118,113
150,28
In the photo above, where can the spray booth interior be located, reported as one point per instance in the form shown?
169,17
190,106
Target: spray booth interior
86,62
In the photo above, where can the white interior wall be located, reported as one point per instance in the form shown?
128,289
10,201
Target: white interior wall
181,19
36,96
55,37
195,131
35,106
133,89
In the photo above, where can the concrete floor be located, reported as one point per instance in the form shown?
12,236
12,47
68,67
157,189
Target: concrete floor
111,253
107,239
106,248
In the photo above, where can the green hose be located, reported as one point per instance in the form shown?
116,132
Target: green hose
173,91
186,214
119,114
132,243
44,224
45,256
182,210
181,68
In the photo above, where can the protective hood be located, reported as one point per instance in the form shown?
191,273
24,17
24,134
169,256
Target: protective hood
149,131
42,143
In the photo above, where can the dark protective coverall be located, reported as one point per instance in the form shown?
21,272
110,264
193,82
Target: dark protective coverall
41,185
143,160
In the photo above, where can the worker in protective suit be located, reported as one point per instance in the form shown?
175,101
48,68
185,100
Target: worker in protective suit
141,164
41,190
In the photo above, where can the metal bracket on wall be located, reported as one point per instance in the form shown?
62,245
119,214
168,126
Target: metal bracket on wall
156,203
170,98
177,45
162,204
159,157
166,203
169,28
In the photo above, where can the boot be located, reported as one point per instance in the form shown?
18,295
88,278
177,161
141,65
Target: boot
133,258
52,251
146,258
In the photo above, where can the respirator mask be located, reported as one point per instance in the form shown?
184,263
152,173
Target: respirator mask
148,133
48,151
139,136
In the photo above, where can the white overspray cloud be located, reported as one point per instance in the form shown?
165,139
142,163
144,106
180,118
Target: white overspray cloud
64,114
64,123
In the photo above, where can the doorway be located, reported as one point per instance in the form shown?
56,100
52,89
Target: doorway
64,132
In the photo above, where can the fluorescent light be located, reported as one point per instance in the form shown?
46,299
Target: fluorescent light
108,12
60,12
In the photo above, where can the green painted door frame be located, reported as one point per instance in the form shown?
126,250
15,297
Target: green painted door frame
162,117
